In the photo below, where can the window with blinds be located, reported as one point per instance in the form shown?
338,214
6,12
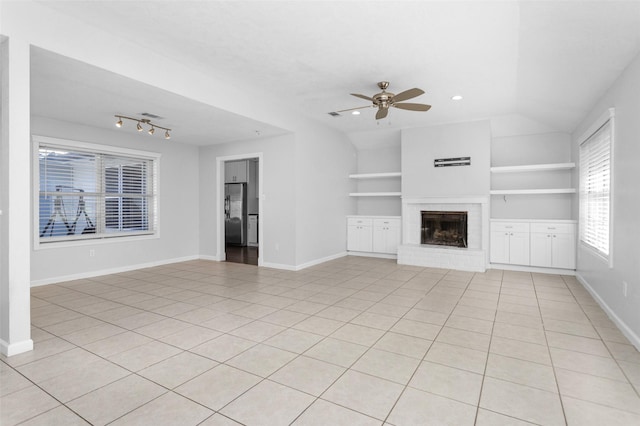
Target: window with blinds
86,194
595,189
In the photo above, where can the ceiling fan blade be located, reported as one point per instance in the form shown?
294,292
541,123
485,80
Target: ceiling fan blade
362,97
382,113
351,109
407,94
413,107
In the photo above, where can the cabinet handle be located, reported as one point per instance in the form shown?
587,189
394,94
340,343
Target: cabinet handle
550,227
508,227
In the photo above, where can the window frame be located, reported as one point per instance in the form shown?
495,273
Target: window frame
608,117
70,145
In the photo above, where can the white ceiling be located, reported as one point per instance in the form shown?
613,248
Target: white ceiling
546,60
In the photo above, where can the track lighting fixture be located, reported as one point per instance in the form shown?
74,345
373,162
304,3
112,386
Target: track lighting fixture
140,122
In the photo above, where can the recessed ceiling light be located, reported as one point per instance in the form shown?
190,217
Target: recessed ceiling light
355,112
456,97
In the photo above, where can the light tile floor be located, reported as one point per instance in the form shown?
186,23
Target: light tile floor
355,341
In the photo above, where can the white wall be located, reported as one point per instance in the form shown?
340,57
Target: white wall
278,204
606,282
420,146
324,160
178,209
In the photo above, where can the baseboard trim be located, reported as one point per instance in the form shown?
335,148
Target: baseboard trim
214,258
622,326
371,254
15,348
303,265
279,266
536,269
321,260
92,274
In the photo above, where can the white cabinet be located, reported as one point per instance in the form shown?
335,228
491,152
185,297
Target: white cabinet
541,243
235,171
359,234
373,234
510,243
386,235
553,245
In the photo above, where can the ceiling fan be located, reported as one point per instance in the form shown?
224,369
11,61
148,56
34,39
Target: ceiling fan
384,100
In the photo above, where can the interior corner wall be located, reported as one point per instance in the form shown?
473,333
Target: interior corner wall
324,160
607,283
421,146
178,210
278,197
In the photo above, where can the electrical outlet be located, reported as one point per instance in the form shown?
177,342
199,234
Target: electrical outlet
625,288
92,253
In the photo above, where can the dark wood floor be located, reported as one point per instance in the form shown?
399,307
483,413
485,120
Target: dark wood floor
237,254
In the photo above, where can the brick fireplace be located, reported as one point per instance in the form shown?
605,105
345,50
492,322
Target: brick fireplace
473,257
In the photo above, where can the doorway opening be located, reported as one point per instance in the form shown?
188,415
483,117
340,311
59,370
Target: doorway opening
242,210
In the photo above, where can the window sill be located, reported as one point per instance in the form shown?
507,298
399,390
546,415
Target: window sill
94,241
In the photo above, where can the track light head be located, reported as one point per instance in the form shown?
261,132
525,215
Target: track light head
142,121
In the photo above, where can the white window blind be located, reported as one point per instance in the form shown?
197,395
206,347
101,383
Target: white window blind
595,189
89,195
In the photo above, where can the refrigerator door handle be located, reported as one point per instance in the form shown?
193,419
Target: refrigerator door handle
227,205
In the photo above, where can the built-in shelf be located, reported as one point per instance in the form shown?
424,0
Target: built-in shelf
374,194
532,191
375,175
533,168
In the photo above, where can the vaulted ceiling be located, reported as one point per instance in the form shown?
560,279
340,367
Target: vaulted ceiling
546,60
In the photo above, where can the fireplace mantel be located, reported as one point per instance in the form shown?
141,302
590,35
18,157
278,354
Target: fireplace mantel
472,258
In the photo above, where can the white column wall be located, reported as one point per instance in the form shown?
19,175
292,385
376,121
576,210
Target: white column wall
15,202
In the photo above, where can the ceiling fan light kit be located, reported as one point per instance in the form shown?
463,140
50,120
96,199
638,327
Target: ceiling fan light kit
140,122
384,100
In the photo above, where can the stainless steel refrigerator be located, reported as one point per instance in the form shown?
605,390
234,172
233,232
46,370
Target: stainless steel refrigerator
235,213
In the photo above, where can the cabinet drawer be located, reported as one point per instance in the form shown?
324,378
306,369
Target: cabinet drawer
356,221
387,223
556,228
509,227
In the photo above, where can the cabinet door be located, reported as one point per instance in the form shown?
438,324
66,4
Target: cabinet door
393,239
386,235
519,248
241,171
499,252
235,171
563,249
541,249
359,238
229,171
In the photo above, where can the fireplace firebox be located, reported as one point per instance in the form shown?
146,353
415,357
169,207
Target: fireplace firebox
444,228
